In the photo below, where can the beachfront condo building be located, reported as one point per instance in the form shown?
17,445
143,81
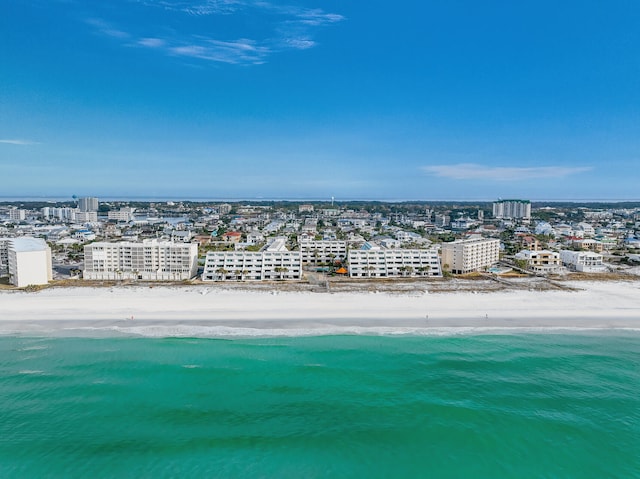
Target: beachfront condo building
325,251
26,260
386,263
252,265
542,262
512,209
466,256
149,260
583,261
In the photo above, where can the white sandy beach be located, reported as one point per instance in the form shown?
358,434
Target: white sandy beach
192,308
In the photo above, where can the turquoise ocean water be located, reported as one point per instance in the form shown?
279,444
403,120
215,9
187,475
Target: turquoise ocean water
471,406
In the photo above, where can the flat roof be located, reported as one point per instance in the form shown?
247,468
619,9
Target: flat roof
23,244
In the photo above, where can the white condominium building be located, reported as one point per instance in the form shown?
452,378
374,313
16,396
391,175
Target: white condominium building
88,204
150,260
583,261
4,256
252,265
466,256
17,214
381,263
512,209
26,260
123,214
62,214
87,216
542,261
314,252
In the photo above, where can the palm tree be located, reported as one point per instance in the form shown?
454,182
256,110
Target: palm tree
281,270
424,270
222,272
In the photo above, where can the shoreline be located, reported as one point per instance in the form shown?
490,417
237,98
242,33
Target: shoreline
217,311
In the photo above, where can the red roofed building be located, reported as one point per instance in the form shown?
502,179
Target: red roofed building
232,237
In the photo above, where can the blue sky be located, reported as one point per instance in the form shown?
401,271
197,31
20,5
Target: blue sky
292,99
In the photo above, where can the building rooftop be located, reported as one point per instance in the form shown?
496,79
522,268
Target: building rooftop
25,244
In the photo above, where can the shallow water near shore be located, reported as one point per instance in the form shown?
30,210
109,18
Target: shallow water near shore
489,405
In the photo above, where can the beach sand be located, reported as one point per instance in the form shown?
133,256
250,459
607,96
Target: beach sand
185,310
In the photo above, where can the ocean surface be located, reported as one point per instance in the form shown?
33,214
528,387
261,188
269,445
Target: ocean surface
525,405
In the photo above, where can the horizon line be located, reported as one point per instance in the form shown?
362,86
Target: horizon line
148,198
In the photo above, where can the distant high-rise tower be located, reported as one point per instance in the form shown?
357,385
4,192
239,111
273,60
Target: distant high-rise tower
512,209
88,204
481,215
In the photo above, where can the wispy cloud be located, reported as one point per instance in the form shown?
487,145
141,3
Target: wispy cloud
239,51
19,142
103,27
281,28
152,42
473,171
194,7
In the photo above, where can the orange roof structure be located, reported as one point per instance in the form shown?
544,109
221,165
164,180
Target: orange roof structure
341,271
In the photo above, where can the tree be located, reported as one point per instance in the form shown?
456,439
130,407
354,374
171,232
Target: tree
222,272
282,270
424,270
521,263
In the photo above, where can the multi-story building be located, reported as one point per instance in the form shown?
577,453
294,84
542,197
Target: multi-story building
272,263
586,230
589,244
88,204
305,208
583,261
123,214
62,214
529,242
26,260
442,220
542,261
87,216
383,263
149,260
224,209
17,214
512,209
466,256
314,252
4,256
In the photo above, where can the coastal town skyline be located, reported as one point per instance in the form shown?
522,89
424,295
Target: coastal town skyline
251,100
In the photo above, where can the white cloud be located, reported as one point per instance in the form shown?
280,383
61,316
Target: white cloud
197,7
285,27
151,42
317,17
19,142
239,51
298,43
473,171
106,29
